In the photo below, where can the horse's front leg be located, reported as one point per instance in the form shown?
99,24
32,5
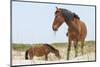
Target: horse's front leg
68,48
46,57
76,47
82,47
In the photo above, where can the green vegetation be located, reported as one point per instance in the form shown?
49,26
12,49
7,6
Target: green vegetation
24,47
20,47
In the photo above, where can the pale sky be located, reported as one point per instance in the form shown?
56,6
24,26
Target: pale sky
32,22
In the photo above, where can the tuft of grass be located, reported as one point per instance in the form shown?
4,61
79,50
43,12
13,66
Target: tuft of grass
20,47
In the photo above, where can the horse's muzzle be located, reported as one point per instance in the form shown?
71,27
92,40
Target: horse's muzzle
59,57
54,28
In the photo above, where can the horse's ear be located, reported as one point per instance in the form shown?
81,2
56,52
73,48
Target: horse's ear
56,8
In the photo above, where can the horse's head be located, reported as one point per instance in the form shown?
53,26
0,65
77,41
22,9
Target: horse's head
58,20
64,15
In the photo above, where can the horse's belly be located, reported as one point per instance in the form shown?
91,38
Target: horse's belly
40,53
74,37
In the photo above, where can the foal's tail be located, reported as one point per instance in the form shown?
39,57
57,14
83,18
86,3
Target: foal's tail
26,54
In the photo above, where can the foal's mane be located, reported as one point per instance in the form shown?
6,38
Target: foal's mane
50,47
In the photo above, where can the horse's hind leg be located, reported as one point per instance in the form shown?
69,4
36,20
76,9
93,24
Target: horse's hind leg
76,47
31,55
68,49
82,47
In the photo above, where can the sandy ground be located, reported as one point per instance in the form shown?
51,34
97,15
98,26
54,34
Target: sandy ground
18,57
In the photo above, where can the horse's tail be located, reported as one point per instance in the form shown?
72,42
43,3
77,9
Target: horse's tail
26,54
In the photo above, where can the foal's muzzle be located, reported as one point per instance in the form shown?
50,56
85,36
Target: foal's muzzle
59,57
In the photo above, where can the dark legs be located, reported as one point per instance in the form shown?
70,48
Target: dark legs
46,57
76,47
68,49
31,55
82,47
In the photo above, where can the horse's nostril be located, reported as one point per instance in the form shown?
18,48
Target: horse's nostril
54,29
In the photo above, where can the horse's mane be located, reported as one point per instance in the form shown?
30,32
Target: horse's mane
68,14
76,16
50,46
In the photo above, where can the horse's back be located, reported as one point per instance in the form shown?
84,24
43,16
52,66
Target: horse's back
39,50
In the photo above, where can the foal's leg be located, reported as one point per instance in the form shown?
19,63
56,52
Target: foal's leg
46,57
82,47
76,47
68,49
31,55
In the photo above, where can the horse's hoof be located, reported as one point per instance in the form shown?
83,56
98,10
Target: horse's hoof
67,58
75,55
82,53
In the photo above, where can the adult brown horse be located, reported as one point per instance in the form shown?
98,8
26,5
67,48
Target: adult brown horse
42,50
77,30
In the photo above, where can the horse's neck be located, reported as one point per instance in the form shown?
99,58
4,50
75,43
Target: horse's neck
52,51
74,25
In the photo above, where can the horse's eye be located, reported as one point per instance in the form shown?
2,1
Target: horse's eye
57,16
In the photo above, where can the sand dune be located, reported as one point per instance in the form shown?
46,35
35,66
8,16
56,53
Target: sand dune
18,59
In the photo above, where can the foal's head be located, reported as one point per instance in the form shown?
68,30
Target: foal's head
58,20
57,54
53,50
